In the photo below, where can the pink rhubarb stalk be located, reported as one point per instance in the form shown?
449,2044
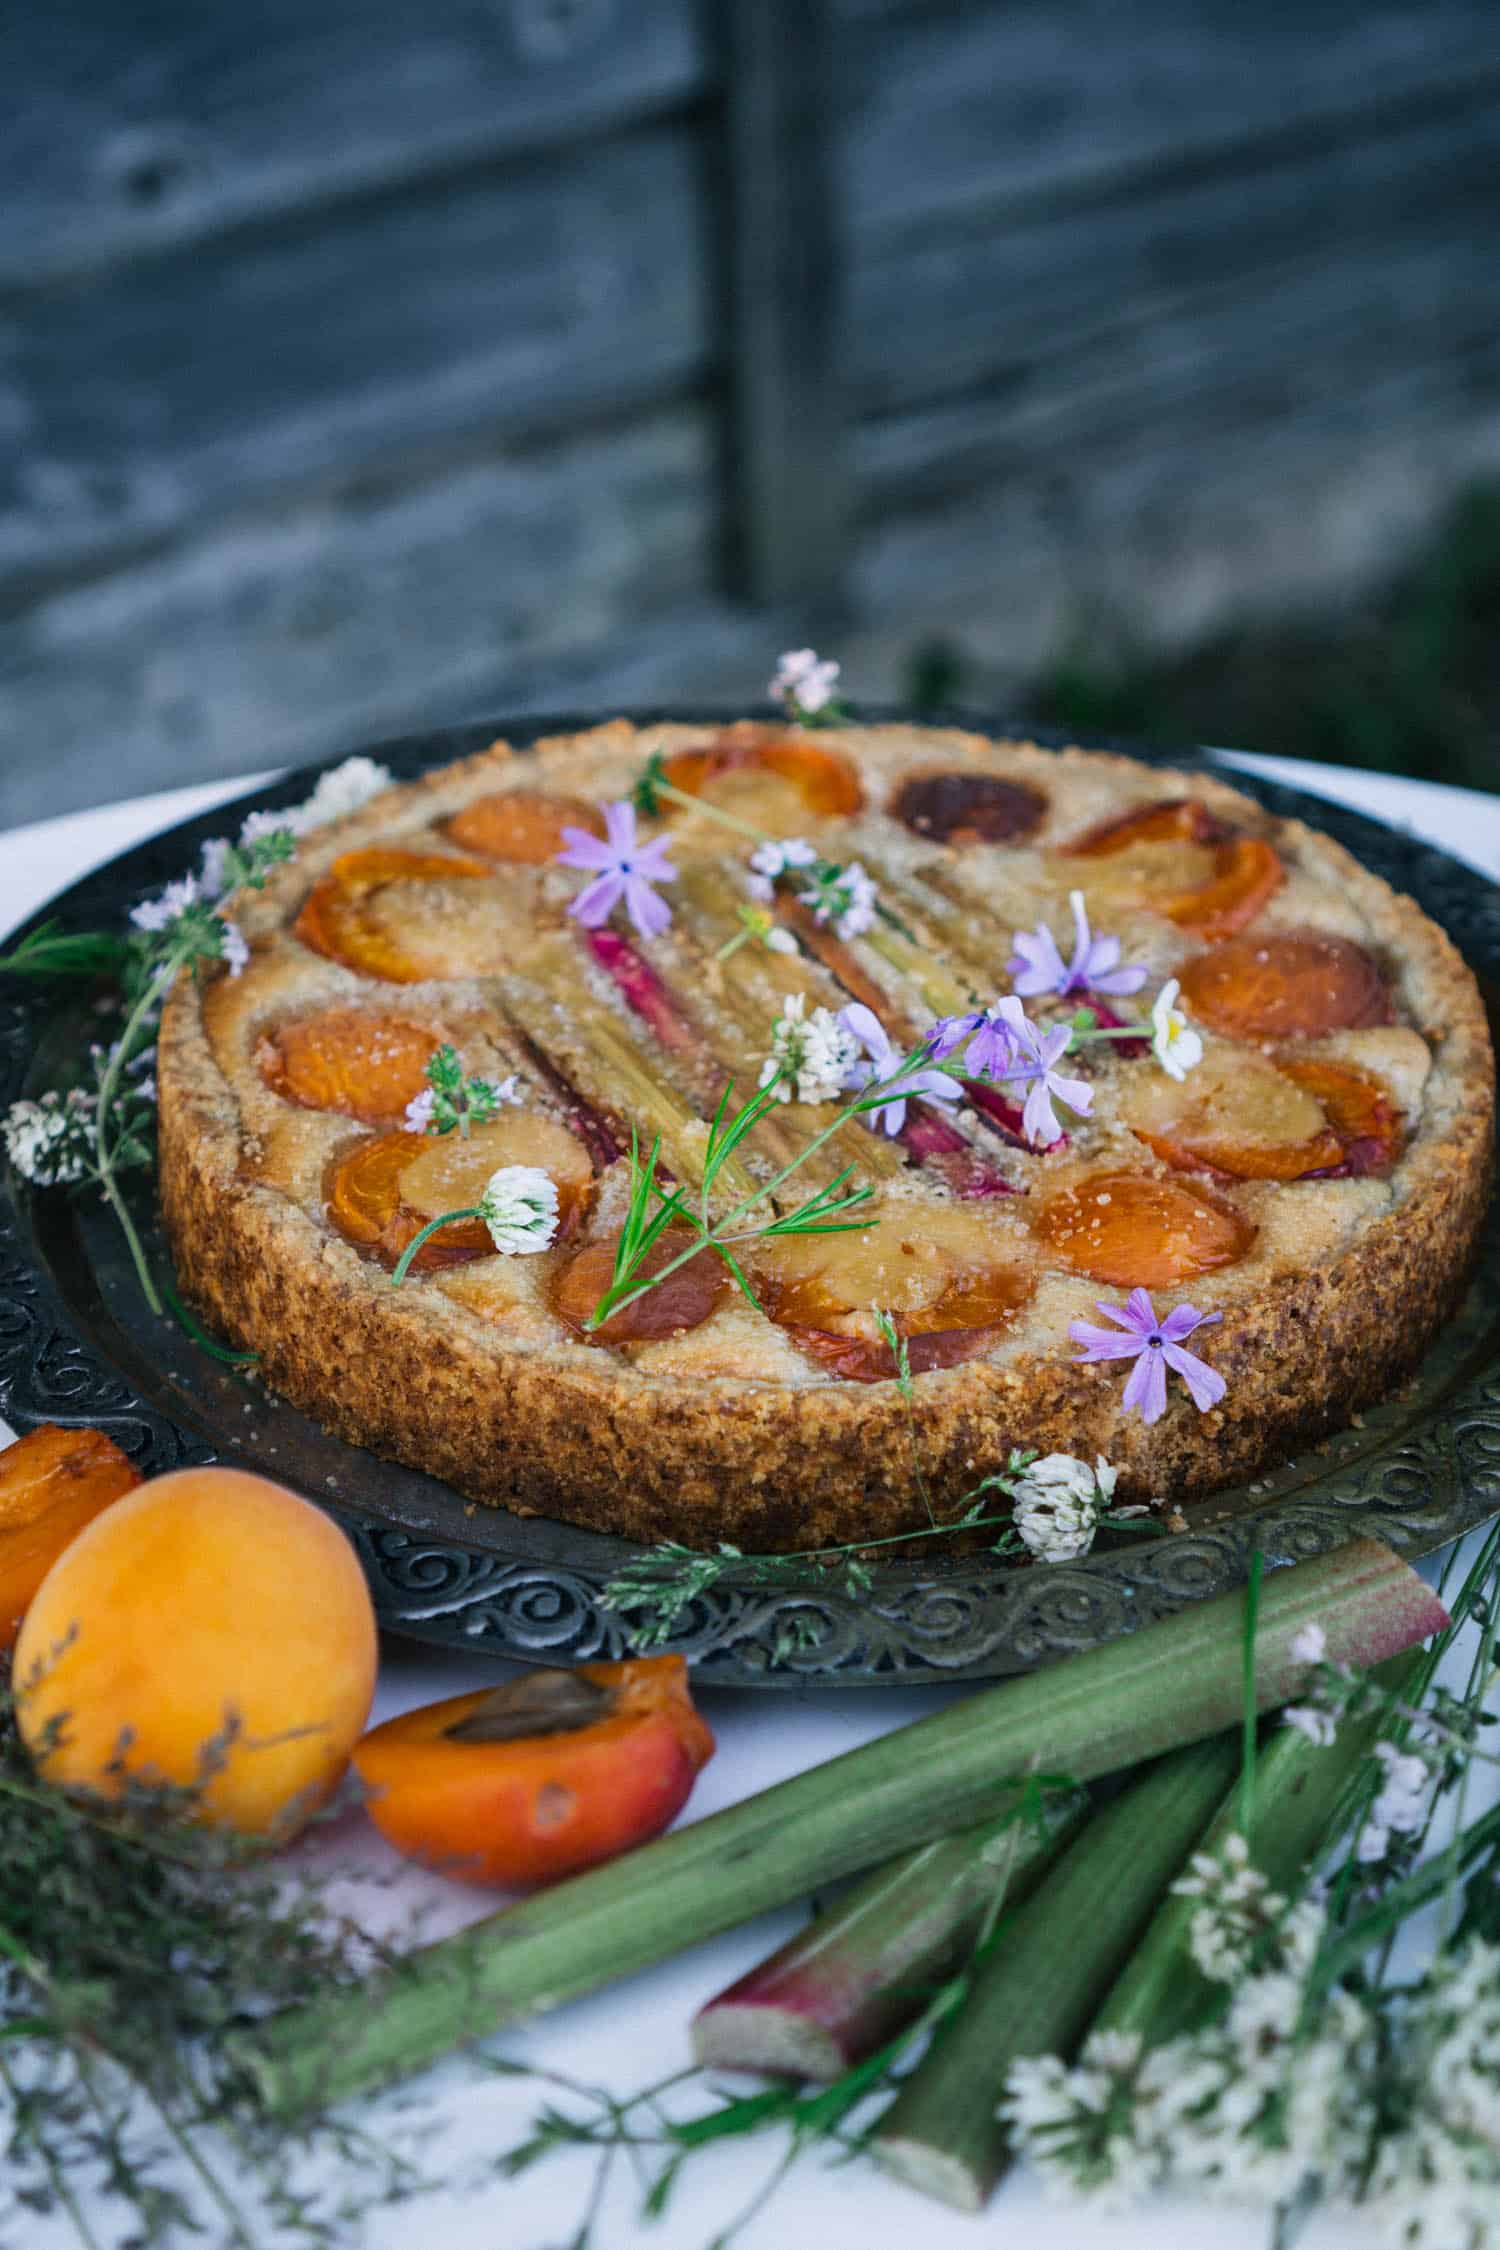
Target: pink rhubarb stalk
641,988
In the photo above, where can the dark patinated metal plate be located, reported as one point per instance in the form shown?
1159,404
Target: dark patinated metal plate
77,1346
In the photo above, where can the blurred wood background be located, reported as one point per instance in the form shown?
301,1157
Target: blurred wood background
365,363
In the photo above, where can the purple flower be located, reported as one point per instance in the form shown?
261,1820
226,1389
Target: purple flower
1032,1066
621,869
1154,1345
1037,966
992,1036
883,1065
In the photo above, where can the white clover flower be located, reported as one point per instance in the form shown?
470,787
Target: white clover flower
519,1206
235,951
341,790
1319,1726
47,1140
813,1054
1401,1807
1091,2129
1239,1906
803,681
1058,1502
160,912
417,1117
1175,1044
1309,1645
773,859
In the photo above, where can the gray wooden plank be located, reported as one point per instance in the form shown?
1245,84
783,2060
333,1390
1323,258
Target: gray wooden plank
1367,238
147,403
1155,531
132,126
278,640
785,286
954,110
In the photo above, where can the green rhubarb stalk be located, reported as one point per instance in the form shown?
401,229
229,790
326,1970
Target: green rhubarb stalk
1303,1797
1035,1991
866,1967
1174,1682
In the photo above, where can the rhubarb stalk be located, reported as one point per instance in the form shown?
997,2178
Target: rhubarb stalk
1036,1990
1302,1794
1174,1682
865,1968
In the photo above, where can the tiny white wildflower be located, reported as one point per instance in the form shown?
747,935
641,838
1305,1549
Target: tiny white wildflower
1058,1502
1372,1843
813,1054
343,789
256,826
761,889
519,1206
803,681
779,940
1320,1727
1402,1803
773,859
212,870
46,1140
1175,1044
160,912
418,1115
1309,1645
235,951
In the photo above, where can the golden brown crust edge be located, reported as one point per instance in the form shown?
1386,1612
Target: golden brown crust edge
771,1468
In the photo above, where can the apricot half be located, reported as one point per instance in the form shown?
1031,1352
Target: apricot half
210,1631
772,780
1285,984
1180,860
968,808
522,826
398,915
686,1299
357,1061
943,1278
382,1192
1235,1113
1133,1230
52,1483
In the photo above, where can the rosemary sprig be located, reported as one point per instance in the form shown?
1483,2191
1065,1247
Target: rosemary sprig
51,951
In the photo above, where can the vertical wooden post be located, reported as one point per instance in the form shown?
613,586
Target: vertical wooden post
789,476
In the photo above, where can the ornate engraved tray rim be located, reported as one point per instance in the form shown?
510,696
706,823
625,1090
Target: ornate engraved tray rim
76,1346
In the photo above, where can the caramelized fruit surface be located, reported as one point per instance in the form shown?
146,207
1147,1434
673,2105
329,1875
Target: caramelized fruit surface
382,1192
390,914
684,1300
1236,1113
773,781
359,1061
968,808
522,826
1180,860
1130,1229
1285,984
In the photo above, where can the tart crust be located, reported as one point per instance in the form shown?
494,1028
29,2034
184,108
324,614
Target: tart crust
734,1436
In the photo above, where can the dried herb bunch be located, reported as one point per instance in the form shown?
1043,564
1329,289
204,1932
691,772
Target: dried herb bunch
130,1942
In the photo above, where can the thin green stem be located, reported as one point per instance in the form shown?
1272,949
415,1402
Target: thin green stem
448,1219
711,812
104,1153
1248,1723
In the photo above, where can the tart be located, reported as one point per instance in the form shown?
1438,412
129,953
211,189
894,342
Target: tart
1314,1185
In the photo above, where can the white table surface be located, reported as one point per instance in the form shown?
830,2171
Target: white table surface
636,2031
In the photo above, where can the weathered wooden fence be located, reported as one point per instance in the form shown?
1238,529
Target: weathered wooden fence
364,362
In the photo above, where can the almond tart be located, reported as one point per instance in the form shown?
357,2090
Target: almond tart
1315,1184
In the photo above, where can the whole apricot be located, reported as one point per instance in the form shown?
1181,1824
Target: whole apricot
212,1631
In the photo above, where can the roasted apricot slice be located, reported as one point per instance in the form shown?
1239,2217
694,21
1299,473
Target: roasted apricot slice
1285,984
1235,1113
947,1284
355,1060
1130,1229
53,1482
684,1300
375,909
383,1192
1359,1111
521,826
968,808
1180,860
774,779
